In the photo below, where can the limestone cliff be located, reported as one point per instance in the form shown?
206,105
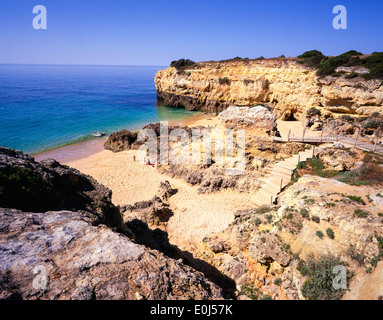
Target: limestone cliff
285,84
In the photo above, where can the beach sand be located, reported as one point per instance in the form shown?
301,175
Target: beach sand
195,215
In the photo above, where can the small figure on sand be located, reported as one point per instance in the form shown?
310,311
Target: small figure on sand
148,163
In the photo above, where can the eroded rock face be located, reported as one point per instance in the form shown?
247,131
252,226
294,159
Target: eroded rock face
49,186
84,262
288,85
263,248
339,159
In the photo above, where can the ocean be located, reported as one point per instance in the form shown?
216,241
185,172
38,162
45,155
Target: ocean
44,107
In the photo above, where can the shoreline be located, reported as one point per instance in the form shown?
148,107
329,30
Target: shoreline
82,150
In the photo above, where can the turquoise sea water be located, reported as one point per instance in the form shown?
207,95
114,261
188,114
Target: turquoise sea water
43,107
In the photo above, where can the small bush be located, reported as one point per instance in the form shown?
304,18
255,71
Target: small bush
360,213
356,199
181,63
304,213
257,222
319,234
330,233
319,285
315,219
24,189
358,257
328,66
351,75
312,58
224,80
373,124
251,291
375,63
302,165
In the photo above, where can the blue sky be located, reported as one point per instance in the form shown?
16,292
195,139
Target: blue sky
155,32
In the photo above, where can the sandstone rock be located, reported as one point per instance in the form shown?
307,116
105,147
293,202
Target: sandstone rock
84,262
286,84
258,116
32,186
153,212
120,141
317,126
265,250
338,159
165,191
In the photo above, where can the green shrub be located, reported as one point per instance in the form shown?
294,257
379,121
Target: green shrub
356,199
351,75
257,222
319,285
251,291
312,58
330,233
328,66
181,63
375,64
304,213
302,165
224,80
319,234
315,219
360,213
24,189
373,124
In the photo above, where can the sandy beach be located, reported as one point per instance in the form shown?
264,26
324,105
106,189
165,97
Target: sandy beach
195,215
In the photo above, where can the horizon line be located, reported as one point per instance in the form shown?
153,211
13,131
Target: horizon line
79,65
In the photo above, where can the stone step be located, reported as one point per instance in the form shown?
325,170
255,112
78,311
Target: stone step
276,181
282,168
266,193
271,188
280,172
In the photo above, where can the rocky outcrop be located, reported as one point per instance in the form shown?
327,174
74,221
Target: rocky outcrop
49,186
258,117
128,140
264,249
285,84
120,141
60,255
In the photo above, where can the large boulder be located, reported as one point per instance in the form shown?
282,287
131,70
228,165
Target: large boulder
120,141
60,255
49,186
